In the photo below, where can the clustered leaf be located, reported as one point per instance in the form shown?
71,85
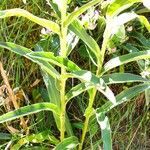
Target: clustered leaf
71,29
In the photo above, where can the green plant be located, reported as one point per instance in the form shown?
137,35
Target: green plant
143,64
56,80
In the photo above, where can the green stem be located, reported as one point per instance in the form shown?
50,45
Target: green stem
104,46
85,127
63,46
84,132
63,108
93,94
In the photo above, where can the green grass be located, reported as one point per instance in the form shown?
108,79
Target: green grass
129,121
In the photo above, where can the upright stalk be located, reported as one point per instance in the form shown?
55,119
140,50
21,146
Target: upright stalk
63,46
87,117
93,94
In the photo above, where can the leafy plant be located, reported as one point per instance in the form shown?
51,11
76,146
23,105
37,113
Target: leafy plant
143,64
55,80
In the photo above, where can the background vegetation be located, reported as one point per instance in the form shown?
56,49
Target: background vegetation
129,122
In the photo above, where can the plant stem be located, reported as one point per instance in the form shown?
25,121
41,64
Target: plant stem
84,132
93,94
85,127
63,108
104,46
63,46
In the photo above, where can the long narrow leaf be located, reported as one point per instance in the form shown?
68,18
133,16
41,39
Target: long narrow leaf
27,110
35,138
105,130
24,51
68,143
52,85
141,38
15,48
126,59
72,41
78,12
88,77
21,12
56,60
78,89
125,96
144,21
5,136
118,6
122,78
114,78
55,7
79,30
147,96
53,92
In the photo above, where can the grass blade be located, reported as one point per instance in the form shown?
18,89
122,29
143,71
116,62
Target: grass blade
126,59
108,79
52,85
23,13
141,38
125,96
147,96
5,136
118,6
35,138
72,41
79,30
56,60
68,143
27,110
77,13
78,89
122,78
145,22
20,50
98,83
105,130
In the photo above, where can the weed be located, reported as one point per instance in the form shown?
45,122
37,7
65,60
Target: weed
57,68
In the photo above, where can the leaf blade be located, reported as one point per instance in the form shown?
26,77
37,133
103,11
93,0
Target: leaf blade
71,17
21,12
27,110
56,60
35,138
88,77
78,89
126,59
23,51
114,78
144,21
105,130
79,30
122,78
68,143
124,96
118,6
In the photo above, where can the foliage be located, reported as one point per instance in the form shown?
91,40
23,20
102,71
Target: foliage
56,67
